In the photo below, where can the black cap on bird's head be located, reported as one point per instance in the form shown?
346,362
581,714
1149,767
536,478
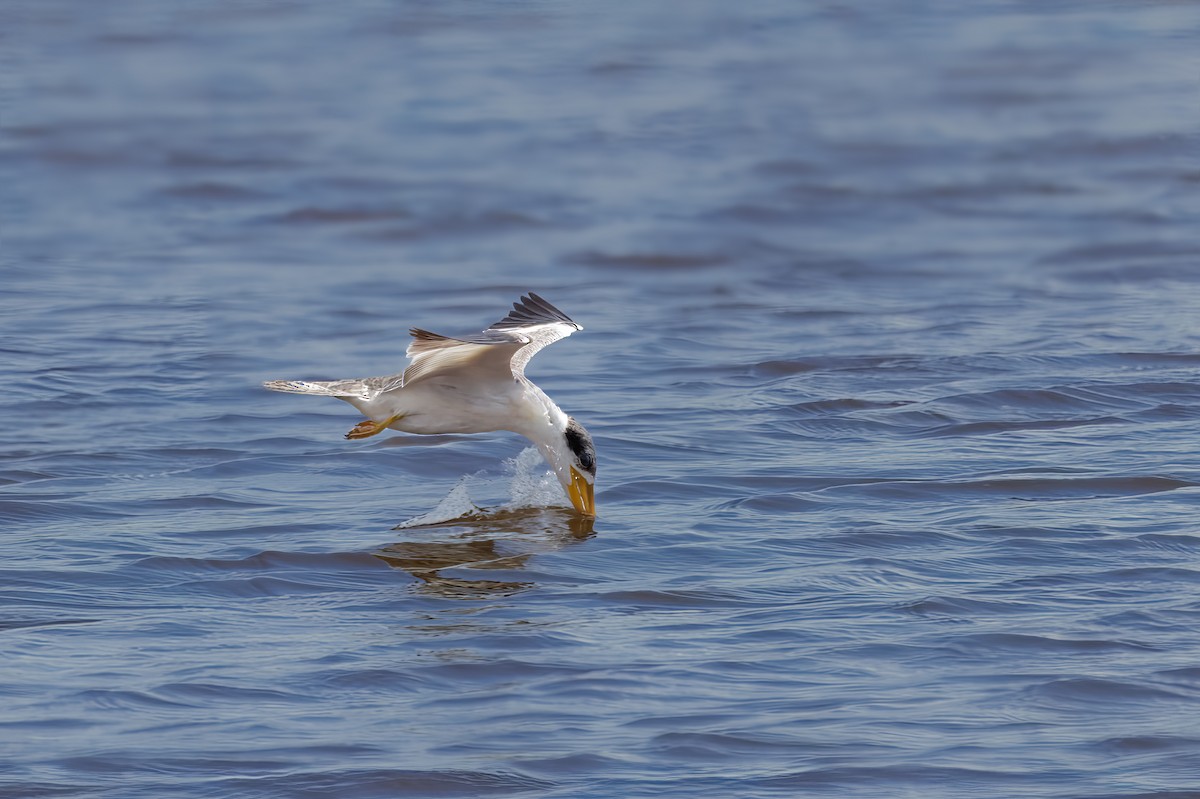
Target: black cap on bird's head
581,446
583,470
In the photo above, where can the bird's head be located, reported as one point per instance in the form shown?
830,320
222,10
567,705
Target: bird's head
579,475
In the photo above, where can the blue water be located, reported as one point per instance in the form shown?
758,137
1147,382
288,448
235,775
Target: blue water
890,354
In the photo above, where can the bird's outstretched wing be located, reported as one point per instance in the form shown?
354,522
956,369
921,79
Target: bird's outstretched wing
500,352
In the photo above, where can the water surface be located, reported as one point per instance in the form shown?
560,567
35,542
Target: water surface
889,352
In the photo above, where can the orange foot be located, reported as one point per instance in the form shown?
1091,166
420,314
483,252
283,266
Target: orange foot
367,428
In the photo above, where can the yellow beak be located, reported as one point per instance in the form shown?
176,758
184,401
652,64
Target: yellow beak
582,494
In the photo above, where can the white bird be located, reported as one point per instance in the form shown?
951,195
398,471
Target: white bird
476,384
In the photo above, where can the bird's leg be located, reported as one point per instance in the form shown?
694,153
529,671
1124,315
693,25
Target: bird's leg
367,428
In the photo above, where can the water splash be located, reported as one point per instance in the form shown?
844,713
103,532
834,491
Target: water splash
455,505
530,484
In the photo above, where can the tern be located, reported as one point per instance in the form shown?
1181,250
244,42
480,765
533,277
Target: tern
476,384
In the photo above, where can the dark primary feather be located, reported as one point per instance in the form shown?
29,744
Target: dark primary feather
532,310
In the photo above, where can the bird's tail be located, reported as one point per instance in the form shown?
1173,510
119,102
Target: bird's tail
324,388
366,388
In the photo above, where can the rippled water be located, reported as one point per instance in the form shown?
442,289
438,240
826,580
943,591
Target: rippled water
890,354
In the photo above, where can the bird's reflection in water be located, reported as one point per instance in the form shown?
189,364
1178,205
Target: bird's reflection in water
501,541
